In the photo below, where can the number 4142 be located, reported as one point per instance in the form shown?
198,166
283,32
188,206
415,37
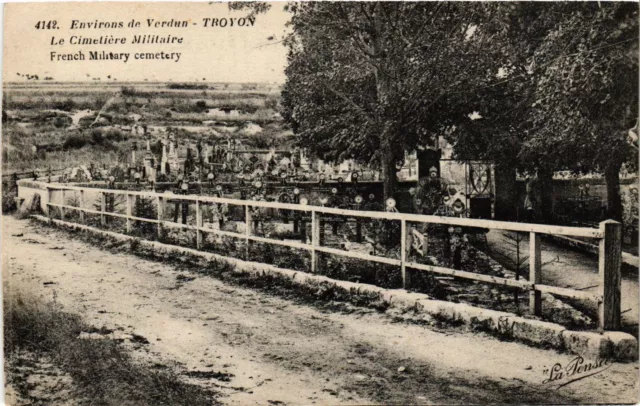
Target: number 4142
47,25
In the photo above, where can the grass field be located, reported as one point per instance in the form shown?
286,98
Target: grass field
41,335
51,124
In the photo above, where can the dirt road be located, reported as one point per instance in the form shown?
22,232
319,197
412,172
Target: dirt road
279,352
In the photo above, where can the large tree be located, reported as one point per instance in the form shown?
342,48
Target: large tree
587,92
567,96
370,80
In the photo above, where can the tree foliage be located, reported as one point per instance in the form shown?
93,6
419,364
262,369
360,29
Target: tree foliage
552,85
372,80
586,92
253,7
568,93
569,83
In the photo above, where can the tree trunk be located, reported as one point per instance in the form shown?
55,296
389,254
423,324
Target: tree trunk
506,198
388,172
614,201
545,185
383,86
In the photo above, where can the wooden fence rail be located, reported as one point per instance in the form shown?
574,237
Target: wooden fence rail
30,173
609,234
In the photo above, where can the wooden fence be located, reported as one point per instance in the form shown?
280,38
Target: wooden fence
608,234
28,174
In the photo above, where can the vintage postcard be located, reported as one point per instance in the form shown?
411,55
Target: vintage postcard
320,203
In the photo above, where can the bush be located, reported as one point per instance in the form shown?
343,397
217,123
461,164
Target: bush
75,142
115,135
96,137
260,141
66,105
100,136
201,105
187,86
61,122
128,91
271,103
9,200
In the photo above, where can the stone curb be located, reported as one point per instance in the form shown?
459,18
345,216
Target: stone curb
614,345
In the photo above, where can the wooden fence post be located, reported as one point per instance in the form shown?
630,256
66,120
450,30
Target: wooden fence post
49,201
160,210
535,274
198,225
62,203
185,211
321,227
315,241
81,204
176,212
129,200
609,258
221,216
103,208
247,231
404,250
303,229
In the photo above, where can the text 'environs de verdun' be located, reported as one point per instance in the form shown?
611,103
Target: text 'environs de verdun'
171,23
111,39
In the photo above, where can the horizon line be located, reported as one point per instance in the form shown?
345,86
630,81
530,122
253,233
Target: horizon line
134,81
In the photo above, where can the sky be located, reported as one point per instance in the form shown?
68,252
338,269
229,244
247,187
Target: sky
216,54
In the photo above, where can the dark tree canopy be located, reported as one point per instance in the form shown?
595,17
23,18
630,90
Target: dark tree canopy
552,85
569,93
372,80
586,91
572,70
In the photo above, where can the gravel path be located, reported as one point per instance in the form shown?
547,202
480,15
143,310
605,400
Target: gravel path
570,269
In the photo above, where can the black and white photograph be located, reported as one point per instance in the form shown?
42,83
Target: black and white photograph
320,203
